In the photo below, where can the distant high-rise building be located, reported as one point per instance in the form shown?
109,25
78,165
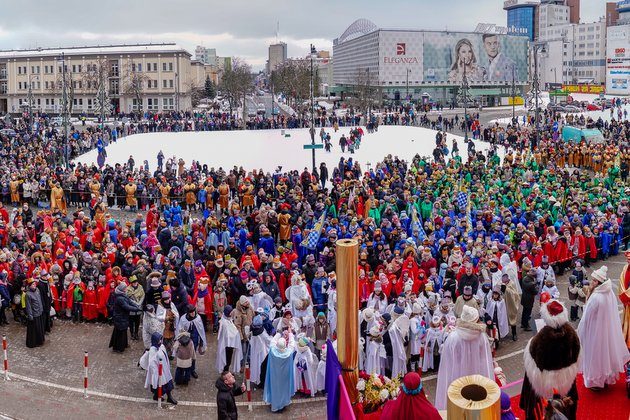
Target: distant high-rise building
574,10
206,55
612,15
277,56
521,17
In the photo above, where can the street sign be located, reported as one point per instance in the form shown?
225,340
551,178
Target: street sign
313,146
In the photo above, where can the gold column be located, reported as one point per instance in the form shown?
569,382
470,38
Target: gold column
348,313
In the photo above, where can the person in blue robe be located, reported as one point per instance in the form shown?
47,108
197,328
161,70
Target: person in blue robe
279,386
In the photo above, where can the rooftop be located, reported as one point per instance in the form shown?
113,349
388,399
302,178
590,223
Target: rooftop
94,50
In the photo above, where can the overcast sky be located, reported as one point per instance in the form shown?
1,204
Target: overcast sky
242,28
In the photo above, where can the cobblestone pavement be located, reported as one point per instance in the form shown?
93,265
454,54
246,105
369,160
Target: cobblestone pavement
50,378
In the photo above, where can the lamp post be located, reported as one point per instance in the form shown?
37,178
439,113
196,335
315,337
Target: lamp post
536,88
64,108
513,94
31,77
312,88
407,96
464,98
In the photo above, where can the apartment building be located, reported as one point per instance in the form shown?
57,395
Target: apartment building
142,77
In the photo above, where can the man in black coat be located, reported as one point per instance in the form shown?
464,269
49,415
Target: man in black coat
225,396
530,291
468,279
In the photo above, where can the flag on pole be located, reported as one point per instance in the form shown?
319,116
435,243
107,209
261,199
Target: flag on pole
462,200
416,224
312,239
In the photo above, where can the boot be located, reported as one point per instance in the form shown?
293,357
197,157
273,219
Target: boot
170,399
514,338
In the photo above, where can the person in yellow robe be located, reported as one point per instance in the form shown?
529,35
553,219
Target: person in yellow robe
57,197
165,191
130,190
14,187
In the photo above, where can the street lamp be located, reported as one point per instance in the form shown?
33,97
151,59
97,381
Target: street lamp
64,107
407,97
536,87
312,88
464,98
513,94
31,78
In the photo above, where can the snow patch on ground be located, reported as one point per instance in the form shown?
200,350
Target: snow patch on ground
268,149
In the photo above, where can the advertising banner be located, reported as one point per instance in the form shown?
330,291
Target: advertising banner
586,88
485,58
400,55
618,60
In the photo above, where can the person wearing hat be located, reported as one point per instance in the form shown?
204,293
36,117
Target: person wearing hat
530,291
191,321
319,288
604,350
168,311
136,294
466,352
551,360
280,383
260,342
466,299
376,357
229,350
305,368
151,361
120,316
34,311
411,402
184,352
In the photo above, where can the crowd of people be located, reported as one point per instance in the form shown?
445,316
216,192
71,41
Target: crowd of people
250,256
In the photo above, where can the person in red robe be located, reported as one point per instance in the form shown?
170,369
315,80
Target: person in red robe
90,303
411,403
103,293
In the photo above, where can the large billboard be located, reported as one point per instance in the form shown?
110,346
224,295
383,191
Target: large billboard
485,59
444,57
618,60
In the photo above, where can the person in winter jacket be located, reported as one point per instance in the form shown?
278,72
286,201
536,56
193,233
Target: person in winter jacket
226,405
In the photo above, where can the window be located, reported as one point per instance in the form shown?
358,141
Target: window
170,66
140,67
152,104
89,103
74,68
164,83
167,66
168,104
163,66
79,68
136,104
170,83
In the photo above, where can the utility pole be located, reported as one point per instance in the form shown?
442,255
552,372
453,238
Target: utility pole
536,87
407,97
64,108
513,94
464,98
312,87
30,103
176,92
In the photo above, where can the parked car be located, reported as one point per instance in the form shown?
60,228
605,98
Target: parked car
572,108
593,107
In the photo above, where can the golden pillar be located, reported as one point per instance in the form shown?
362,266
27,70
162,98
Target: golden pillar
348,313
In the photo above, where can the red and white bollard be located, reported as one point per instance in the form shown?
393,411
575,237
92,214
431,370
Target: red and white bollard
5,365
159,390
248,386
85,375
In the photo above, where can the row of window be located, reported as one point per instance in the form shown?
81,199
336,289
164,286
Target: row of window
153,103
78,84
78,68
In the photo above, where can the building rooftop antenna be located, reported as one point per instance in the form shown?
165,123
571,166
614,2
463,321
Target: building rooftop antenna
277,31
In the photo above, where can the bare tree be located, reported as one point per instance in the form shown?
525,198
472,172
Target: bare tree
236,84
293,78
134,82
364,94
196,92
96,83
56,89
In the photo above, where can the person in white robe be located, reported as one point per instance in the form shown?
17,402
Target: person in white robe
604,352
320,376
377,299
376,357
497,312
399,332
152,321
465,352
151,361
510,268
417,332
299,297
432,344
229,350
305,369
332,304
259,348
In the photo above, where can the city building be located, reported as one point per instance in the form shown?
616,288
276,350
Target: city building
143,77
618,53
575,54
277,56
206,55
423,65
552,13
611,13
521,17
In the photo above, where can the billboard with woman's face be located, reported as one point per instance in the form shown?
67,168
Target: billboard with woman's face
482,58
